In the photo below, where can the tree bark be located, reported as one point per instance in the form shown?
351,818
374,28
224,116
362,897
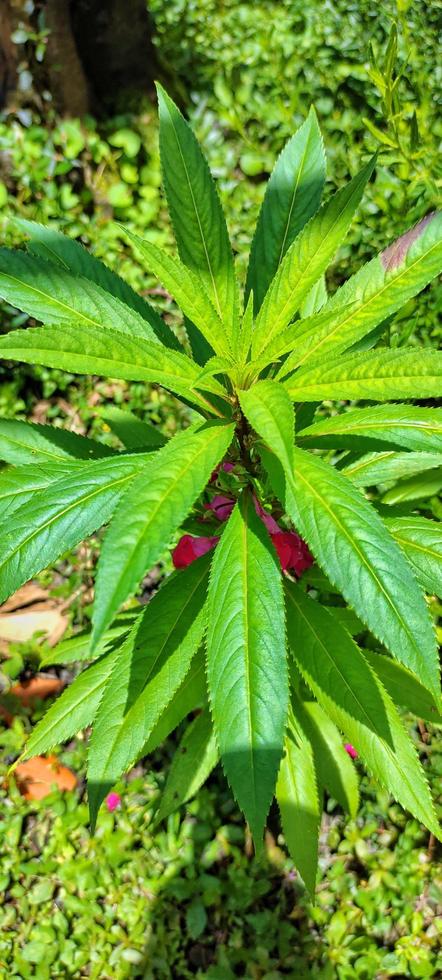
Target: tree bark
8,54
99,53
67,79
114,41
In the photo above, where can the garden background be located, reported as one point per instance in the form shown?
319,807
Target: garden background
187,898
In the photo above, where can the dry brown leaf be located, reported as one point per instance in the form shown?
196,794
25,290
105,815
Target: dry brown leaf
45,619
29,611
31,592
41,687
37,777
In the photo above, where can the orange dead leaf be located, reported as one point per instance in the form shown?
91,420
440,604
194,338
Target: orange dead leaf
41,686
37,777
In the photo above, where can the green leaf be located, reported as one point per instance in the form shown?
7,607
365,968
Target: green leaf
298,801
198,220
150,669
26,442
56,296
348,690
355,550
350,543
376,468
421,542
185,287
196,918
267,407
403,687
246,331
147,517
191,694
78,648
246,667
415,488
18,484
404,426
132,431
315,299
346,617
192,763
375,292
284,341
376,375
82,350
73,710
52,245
60,516
201,350
307,259
292,196
334,768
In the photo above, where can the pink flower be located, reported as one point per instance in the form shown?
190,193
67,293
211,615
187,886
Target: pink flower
221,506
267,519
189,548
113,801
351,750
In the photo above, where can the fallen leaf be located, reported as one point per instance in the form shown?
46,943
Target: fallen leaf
41,687
44,619
31,611
31,592
37,777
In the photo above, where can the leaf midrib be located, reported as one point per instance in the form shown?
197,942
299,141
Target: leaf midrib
297,380
246,619
203,240
61,514
395,280
389,424
171,488
73,313
69,708
407,543
127,714
282,312
293,199
390,752
329,657
363,560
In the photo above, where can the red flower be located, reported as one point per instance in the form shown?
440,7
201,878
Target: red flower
221,506
351,750
293,552
189,548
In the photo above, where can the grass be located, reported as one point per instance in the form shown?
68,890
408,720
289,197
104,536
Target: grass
190,900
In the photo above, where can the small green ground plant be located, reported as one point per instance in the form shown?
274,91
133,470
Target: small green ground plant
270,493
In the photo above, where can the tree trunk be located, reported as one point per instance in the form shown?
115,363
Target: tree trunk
8,54
99,53
67,79
114,41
